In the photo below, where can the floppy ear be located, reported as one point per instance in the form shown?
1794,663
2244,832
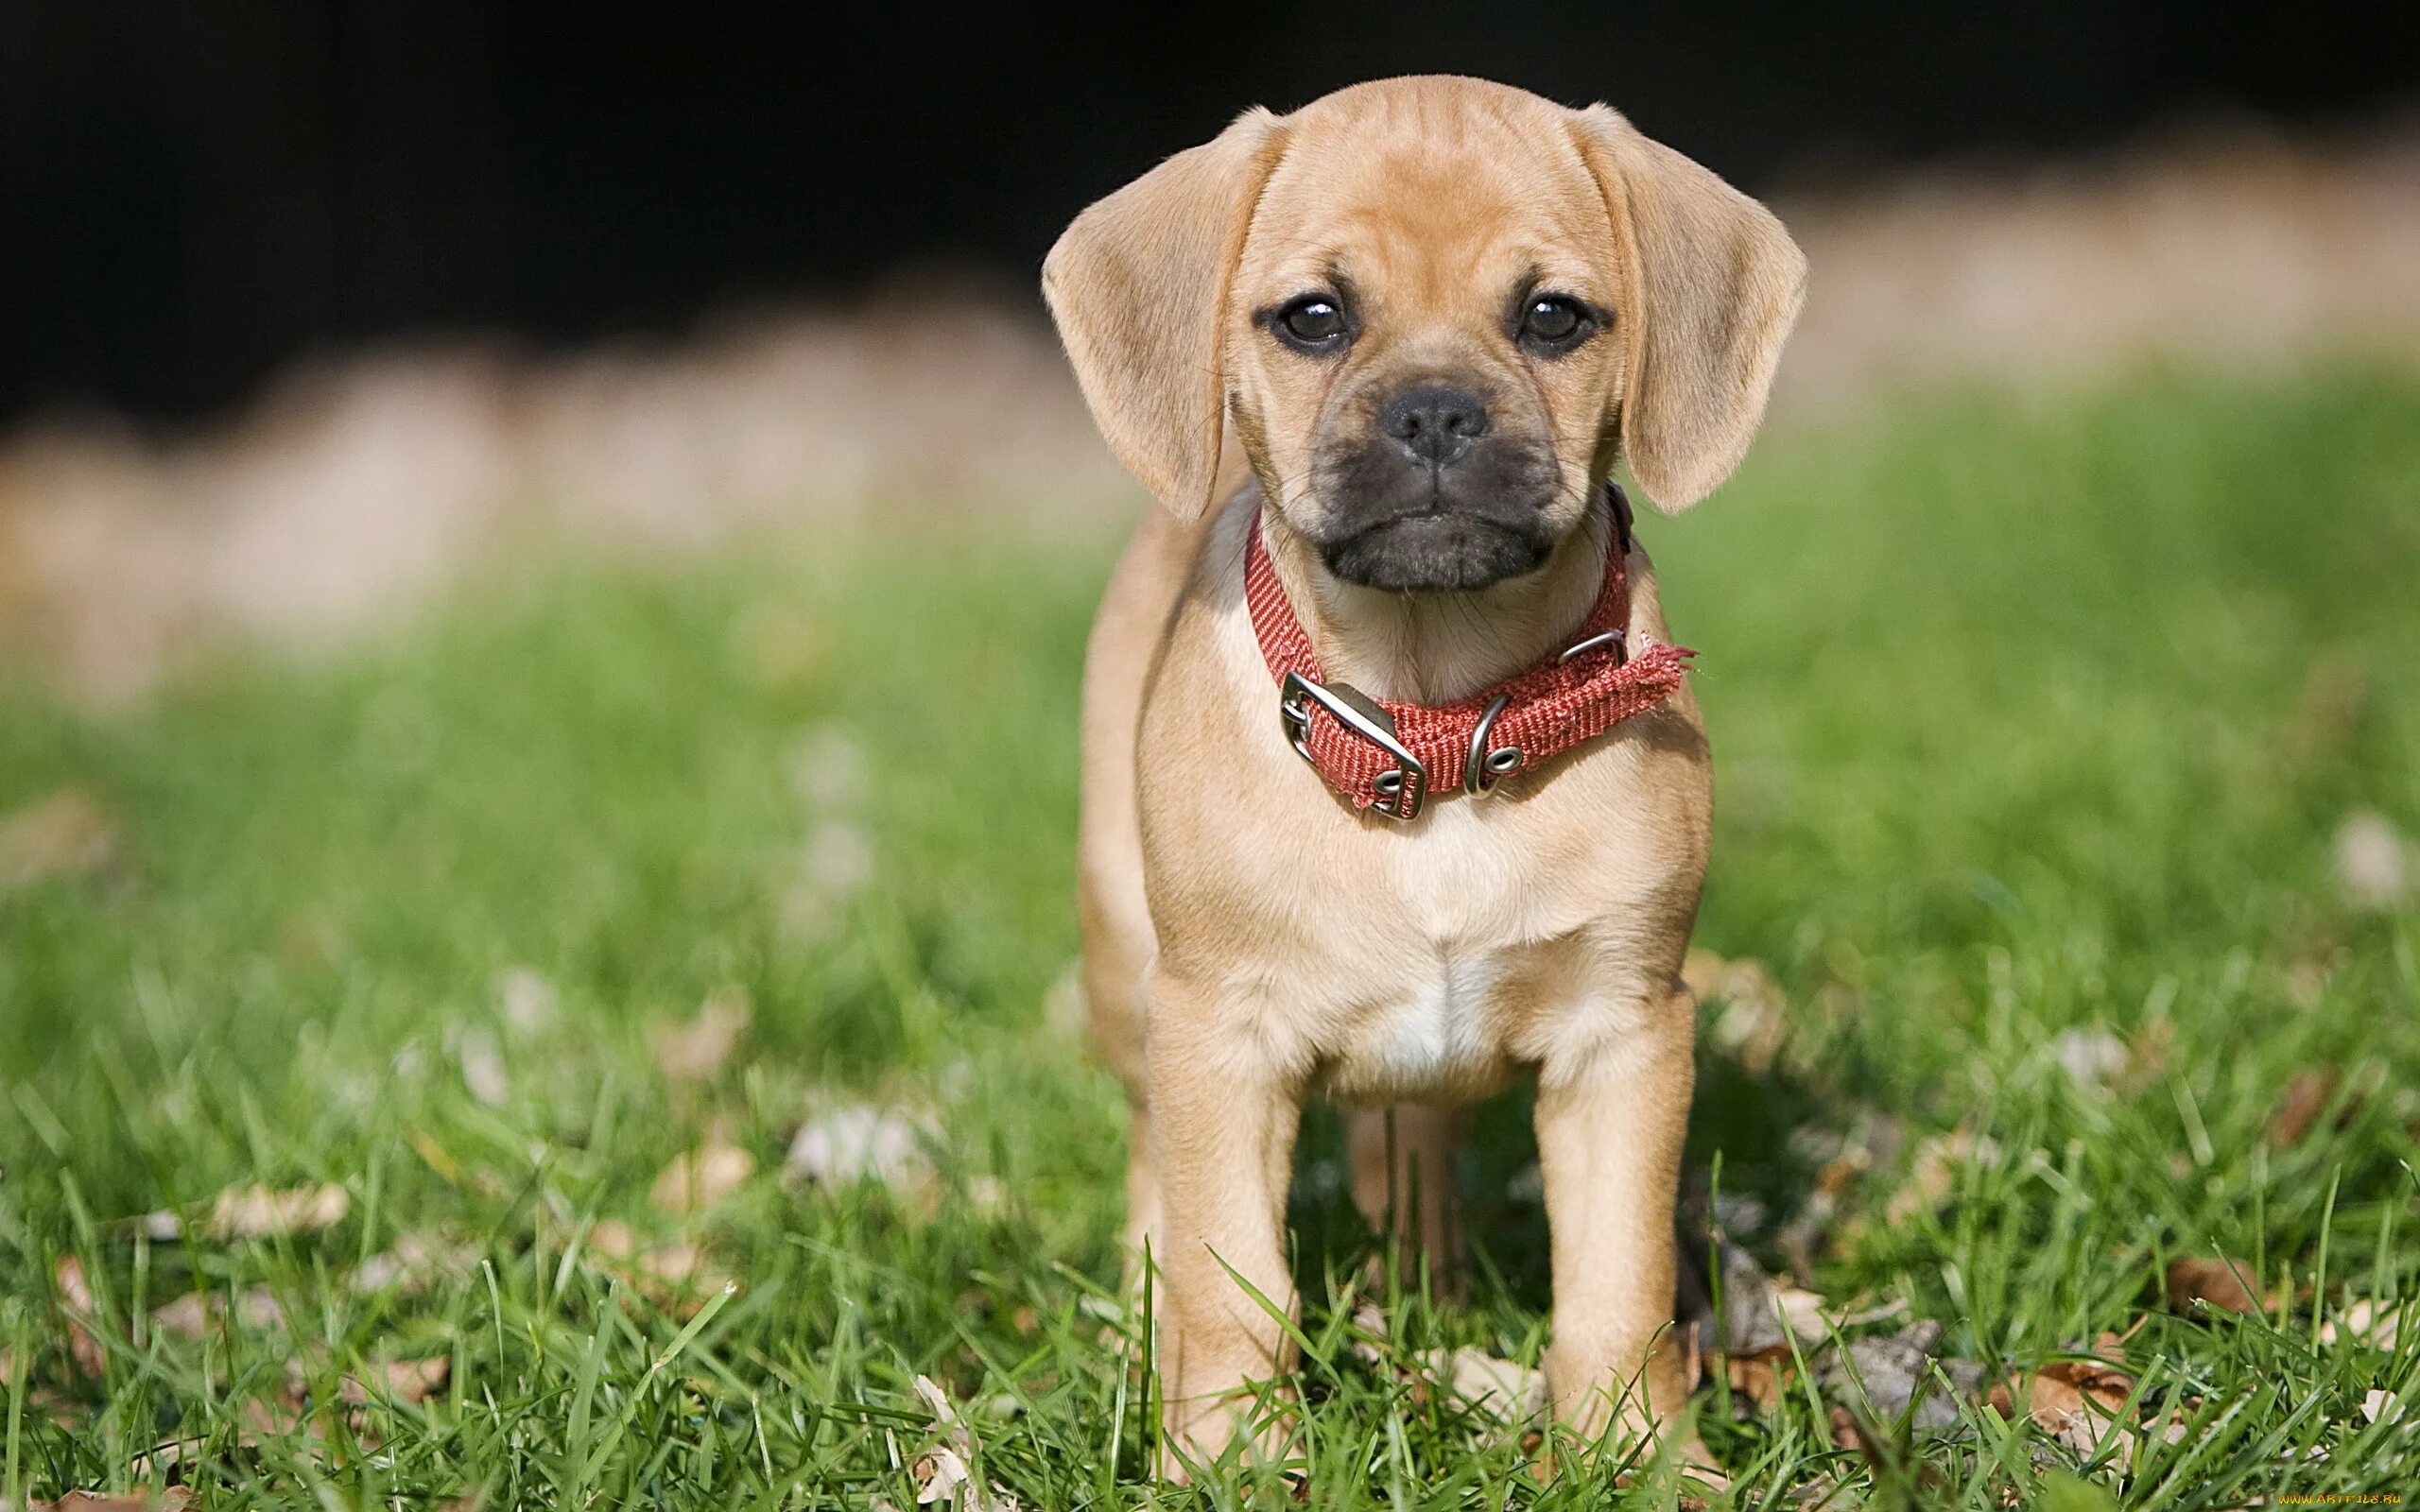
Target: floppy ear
1713,284
1138,285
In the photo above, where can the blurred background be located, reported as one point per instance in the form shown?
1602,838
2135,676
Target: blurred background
307,309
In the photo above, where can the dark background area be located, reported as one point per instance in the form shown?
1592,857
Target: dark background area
192,193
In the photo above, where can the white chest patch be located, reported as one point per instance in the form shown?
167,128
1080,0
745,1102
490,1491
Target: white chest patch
1442,1027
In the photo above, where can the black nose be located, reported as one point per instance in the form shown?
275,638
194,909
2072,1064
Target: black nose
1433,423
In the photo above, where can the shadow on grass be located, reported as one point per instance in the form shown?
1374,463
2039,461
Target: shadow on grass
1740,1127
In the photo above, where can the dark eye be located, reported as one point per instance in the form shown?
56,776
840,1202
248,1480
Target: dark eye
1553,324
1314,322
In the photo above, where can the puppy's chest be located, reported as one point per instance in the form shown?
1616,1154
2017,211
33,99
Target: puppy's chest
1446,1028
1448,975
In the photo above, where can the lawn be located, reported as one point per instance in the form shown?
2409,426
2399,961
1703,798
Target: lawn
404,1049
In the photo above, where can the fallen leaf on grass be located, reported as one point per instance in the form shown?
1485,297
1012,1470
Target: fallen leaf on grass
2221,1281
1508,1391
1754,1023
696,1051
1895,1370
1874,1140
76,1303
2373,862
2077,1402
173,1499
528,999
2092,1057
259,1213
2298,1106
69,834
190,1315
483,1070
1935,1171
1765,1380
705,1175
678,1278
2382,1407
406,1381
945,1472
413,1263
859,1142
2365,1322
1760,1314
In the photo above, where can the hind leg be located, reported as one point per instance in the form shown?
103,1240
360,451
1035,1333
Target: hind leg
1112,909
1114,960
1403,1181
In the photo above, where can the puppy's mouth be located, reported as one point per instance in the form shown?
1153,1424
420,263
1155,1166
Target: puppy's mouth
1439,551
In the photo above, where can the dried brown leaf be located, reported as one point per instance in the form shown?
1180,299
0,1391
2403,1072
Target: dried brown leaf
1846,1432
697,1050
1501,1387
413,1263
259,1213
1763,1378
404,1381
79,1311
2078,1402
190,1315
2365,1322
67,833
1935,1171
2306,1094
677,1278
613,1239
945,1472
705,1175
1753,1022
2222,1282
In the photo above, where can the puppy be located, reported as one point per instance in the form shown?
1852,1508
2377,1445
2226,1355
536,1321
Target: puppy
1393,788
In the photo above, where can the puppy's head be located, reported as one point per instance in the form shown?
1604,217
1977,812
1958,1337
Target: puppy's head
1436,311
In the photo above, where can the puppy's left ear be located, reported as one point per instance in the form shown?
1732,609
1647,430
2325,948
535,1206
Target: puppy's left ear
1138,285
1712,285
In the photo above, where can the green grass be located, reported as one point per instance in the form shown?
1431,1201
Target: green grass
2030,718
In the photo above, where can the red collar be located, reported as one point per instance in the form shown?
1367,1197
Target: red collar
1389,757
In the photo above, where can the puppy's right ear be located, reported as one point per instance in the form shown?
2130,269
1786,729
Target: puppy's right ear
1138,285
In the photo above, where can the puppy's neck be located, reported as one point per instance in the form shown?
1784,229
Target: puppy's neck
1434,648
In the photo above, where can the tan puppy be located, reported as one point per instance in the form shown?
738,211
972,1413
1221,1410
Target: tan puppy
1433,312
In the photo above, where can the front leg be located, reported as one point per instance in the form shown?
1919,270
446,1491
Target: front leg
1223,1122
1610,1129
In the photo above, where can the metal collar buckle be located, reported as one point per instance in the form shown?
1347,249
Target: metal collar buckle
1610,641
1486,763
1401,791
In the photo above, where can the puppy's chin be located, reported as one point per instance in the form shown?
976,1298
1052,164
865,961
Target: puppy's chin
1444,552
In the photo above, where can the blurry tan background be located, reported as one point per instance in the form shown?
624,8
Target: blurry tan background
354,489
